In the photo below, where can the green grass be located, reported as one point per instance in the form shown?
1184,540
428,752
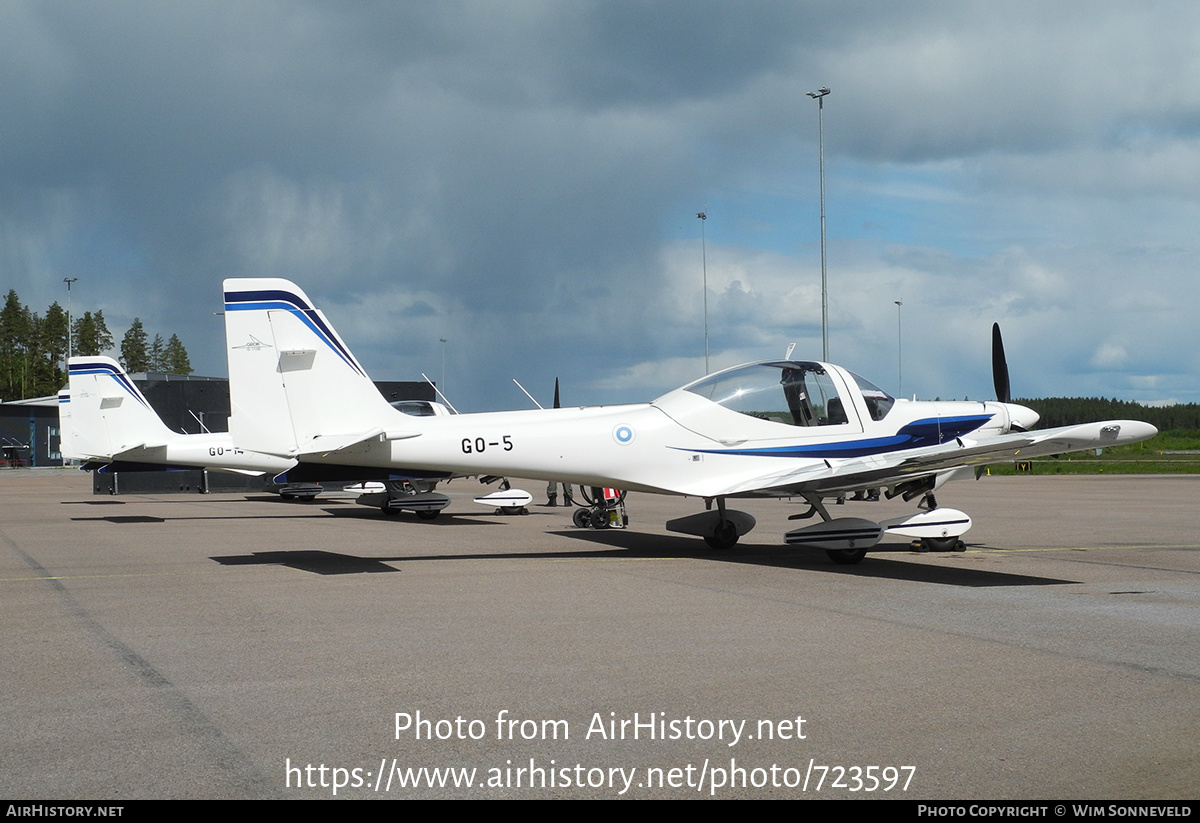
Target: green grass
1158,455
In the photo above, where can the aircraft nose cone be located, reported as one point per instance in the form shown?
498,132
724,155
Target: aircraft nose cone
1021,417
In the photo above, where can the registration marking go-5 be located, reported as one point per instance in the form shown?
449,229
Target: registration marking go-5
781,428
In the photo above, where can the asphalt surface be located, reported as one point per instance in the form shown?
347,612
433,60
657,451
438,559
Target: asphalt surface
227,646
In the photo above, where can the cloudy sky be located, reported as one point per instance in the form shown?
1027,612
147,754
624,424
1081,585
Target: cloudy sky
522,179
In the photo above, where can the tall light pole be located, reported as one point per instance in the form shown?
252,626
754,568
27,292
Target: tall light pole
899,352
819,96
704,262
442,340
69,281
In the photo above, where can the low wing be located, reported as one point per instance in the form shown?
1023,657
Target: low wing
896,467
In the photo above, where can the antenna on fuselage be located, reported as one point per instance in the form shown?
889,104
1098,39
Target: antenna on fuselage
198,419
787,355
439,394
530,396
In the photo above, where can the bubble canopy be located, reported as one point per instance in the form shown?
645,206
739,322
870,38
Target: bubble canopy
793,392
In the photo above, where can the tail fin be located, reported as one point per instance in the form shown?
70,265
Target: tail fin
103,414
104,418
294,386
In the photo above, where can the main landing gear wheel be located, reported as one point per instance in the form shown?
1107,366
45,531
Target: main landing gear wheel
846,557
427,514
724,536
942,544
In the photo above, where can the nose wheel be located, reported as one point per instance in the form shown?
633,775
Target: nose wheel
846,557
942,544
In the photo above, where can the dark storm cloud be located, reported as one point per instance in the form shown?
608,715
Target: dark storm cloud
523,174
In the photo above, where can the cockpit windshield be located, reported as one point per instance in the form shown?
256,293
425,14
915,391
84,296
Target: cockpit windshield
879,402
793,392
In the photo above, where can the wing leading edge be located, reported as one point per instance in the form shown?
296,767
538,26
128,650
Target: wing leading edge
960,453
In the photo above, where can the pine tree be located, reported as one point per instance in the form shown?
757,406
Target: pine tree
176,357
14,336
133,348
104,340
156,356
91,334
54,333
48,346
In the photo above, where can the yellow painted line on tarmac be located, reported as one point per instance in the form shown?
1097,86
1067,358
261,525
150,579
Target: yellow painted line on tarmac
1079,548
613,559
106,576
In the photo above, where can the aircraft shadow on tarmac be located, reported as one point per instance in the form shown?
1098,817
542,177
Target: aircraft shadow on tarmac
315,561
323,562
275,498
409,518
305,511
608,543
784,557
634,545
139,518
128,518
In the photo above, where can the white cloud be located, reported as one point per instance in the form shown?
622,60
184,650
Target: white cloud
1109,356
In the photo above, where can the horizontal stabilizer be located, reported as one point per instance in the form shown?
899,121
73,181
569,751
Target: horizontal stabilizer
317,472
139,448
333,443
134,466
128,466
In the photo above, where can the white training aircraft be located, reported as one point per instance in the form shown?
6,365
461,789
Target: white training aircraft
105,420
784,428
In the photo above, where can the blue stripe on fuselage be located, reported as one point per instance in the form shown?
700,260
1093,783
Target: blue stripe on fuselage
930,431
